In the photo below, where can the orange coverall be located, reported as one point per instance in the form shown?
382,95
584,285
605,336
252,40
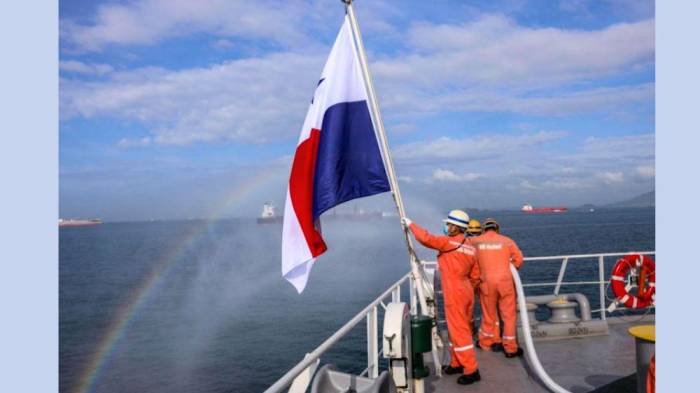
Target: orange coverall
497,290
651,375
459,270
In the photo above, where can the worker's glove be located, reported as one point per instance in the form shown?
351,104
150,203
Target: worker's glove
406,222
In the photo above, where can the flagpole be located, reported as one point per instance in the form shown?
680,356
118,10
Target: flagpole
416,267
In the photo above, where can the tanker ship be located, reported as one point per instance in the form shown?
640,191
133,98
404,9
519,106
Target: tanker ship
77,223
527,208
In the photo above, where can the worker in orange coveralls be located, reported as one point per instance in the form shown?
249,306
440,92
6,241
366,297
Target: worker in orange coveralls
497,290
474,229
459,271
651,375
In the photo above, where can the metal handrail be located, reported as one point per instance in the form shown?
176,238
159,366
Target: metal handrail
371,309
287,378
580,256
601,282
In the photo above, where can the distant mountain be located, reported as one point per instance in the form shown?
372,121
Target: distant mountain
648,199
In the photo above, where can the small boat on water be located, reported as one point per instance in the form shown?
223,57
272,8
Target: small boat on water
77,223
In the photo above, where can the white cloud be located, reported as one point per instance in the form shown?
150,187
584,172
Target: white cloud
223,44
611,177
84,68
564,184
495,65
151,21
253,100
527,185
646,171
477,147
127,142
489,65
537,173
402,128
410,99
496,50
634,147
450,176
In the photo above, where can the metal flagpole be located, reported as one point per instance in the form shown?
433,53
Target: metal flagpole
416,267
388,163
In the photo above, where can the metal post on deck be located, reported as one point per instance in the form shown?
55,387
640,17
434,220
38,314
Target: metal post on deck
561,275
396,295
601,286
412,295
372,344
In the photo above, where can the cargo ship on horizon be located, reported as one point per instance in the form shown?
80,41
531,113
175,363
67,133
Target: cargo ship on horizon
70,222
269,214
527,208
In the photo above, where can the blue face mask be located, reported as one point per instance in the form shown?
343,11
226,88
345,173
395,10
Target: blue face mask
444,229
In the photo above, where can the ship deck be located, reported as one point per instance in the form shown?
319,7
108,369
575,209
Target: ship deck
598,364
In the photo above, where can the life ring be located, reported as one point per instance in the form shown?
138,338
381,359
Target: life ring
646,288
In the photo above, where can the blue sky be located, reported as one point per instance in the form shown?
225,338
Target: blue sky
177,109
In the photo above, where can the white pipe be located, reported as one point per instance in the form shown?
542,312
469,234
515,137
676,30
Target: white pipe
527,337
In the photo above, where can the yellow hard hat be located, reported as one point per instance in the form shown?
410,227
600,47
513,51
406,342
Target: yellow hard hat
474,227
458,217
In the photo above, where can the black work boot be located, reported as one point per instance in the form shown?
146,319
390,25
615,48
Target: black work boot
517,353
497,347
469,379
449,370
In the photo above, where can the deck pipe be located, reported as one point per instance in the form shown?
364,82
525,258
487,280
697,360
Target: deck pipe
527,337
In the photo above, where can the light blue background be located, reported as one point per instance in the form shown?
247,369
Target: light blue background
677,151
28,175
28,196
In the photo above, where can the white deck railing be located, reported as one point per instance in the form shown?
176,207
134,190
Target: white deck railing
370,313
601,281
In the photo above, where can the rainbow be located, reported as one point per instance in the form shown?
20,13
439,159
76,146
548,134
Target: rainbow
127,312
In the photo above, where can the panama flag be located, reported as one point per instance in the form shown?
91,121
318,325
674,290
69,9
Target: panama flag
337,158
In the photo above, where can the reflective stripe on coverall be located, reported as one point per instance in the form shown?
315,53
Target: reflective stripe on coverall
497,290
459,270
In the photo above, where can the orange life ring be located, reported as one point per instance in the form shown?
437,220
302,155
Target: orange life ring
646,287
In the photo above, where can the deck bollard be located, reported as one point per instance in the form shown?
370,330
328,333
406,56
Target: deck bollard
532,319
645,344
563,311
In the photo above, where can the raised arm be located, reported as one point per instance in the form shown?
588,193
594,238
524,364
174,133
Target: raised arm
440,243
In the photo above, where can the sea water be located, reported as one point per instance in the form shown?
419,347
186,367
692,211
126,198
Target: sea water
200,306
